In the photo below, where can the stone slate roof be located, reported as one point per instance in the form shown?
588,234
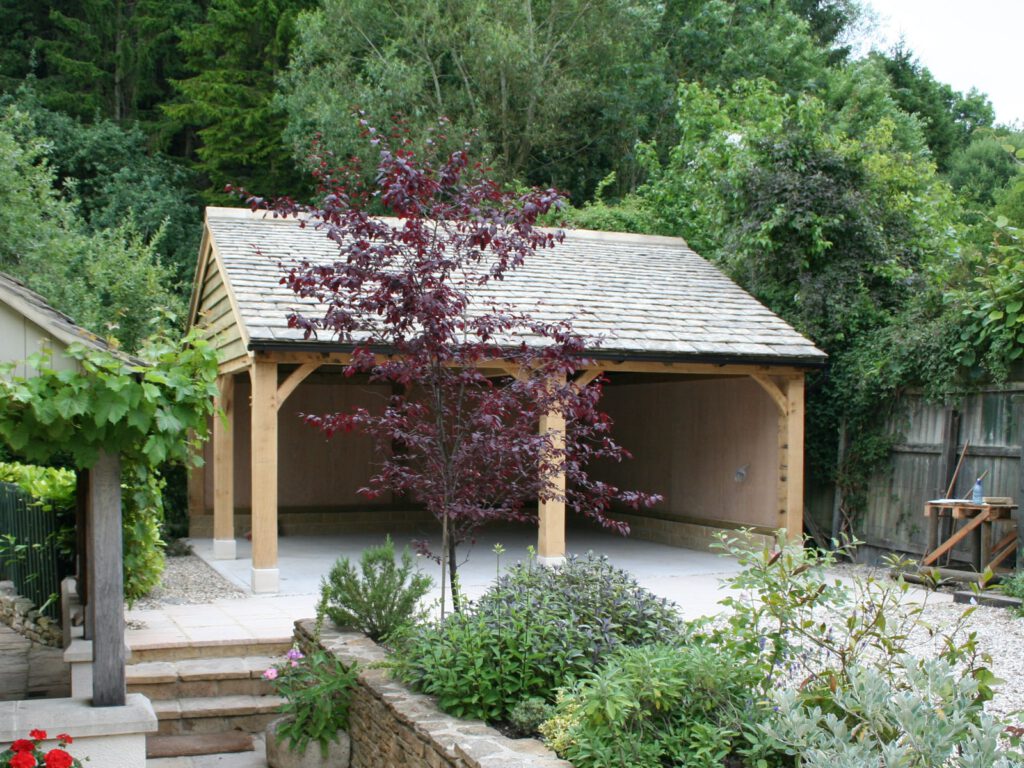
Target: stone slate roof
642,296
31,305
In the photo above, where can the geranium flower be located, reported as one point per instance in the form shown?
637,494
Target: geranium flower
23,745
58,758
23,760
63,738
270,674
35,733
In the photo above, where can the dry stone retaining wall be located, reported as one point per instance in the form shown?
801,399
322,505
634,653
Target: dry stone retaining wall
20,614
390,725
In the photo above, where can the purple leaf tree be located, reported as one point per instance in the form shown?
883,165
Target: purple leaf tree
415,294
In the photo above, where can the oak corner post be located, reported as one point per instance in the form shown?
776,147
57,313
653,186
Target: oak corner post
794,464
265,574
224,470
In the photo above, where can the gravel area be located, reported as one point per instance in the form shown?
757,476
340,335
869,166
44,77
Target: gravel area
187,580
1000,633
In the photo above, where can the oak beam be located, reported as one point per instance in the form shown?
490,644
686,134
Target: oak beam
224,547
265,574
607,366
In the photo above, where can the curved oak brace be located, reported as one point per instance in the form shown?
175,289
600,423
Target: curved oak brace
586,377
295,378
773,390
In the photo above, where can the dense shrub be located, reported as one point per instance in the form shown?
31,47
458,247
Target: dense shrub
535,630
378,600
685,705
935,719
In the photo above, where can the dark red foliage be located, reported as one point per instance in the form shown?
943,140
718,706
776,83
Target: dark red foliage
461,436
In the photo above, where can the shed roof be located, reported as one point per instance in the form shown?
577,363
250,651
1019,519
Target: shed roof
31,305
642,296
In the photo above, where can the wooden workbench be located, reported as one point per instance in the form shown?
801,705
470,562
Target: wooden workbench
980,518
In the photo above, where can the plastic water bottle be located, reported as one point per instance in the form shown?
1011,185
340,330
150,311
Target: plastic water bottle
976,496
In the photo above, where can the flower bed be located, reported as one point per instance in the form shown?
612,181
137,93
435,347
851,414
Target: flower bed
390,725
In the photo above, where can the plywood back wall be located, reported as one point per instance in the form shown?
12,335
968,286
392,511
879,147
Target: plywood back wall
691,442
313,471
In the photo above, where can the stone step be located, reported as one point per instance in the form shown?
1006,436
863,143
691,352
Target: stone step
216,714
209,649
191,744
191,678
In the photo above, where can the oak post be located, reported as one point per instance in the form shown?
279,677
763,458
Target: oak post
224,470
107,582
265,575
551,511
795,458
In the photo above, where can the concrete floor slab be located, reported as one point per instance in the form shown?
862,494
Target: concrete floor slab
690,578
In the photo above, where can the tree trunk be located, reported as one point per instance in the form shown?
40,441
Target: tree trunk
453,576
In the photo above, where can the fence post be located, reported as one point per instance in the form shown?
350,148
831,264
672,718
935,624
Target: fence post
1018,514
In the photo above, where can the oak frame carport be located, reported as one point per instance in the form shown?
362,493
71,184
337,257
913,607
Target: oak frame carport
250,342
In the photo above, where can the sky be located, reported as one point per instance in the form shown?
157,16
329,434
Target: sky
966,43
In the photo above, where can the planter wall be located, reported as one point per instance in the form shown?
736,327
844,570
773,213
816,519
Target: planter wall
390,725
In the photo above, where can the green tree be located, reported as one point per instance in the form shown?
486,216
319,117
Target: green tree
113,57
948,117
117,179
110,280
558,90
718,42
233,58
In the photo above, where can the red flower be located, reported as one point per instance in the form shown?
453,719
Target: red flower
58,758
36,734
23,745
63,738
23,760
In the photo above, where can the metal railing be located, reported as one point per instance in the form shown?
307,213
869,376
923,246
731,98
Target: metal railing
30,554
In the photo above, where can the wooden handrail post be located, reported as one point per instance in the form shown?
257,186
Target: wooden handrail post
106,592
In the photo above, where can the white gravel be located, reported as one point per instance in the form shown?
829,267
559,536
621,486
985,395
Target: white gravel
1000,633
188,580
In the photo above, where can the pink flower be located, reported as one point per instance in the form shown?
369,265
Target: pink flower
270,674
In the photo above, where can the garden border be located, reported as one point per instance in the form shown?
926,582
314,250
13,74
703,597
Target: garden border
390,725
